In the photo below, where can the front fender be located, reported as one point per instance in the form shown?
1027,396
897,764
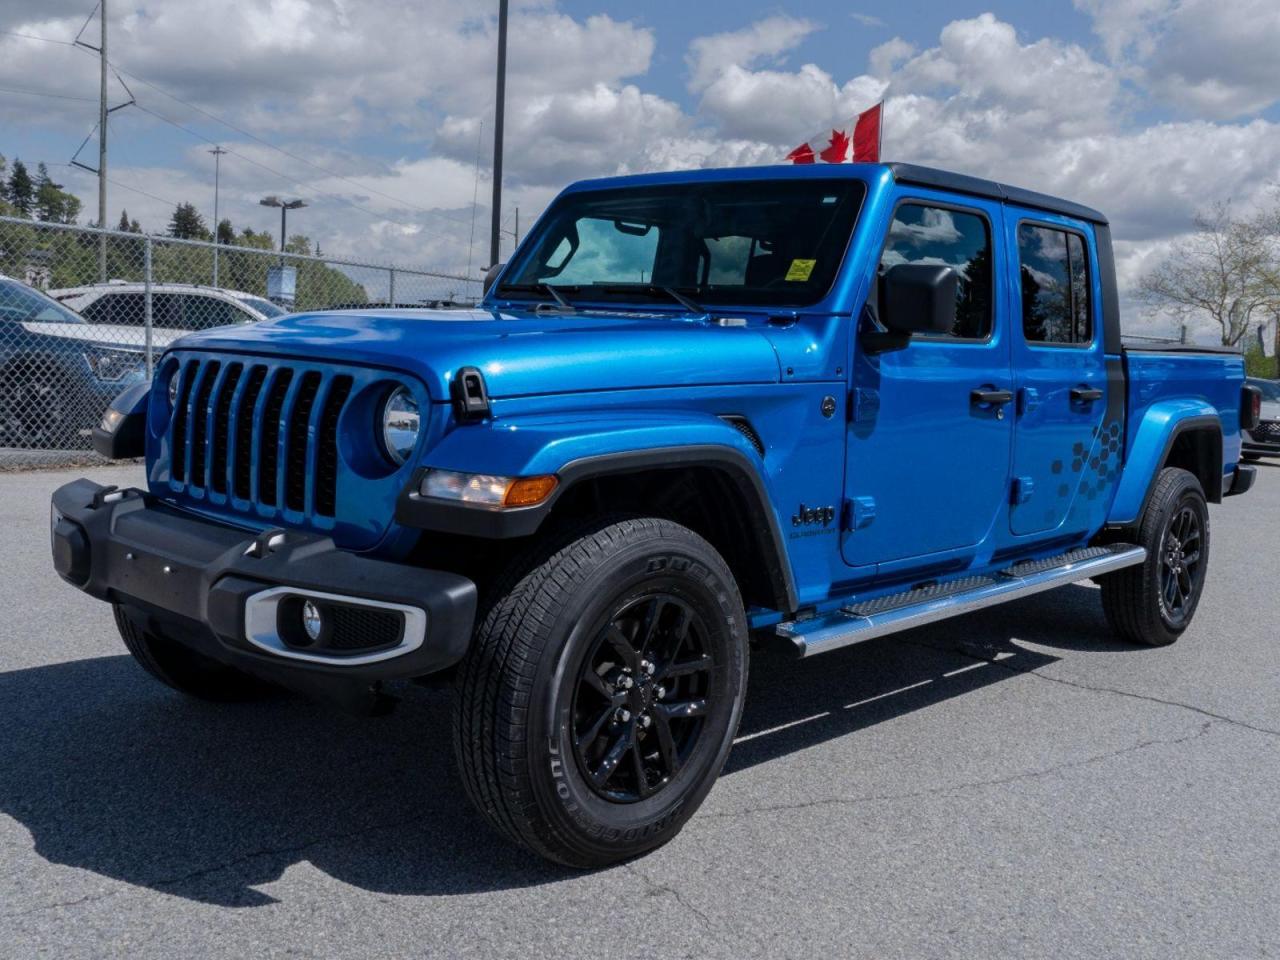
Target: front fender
1152,440
541,444
590,445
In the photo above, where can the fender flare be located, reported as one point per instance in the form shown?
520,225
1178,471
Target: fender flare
729,453
1153,443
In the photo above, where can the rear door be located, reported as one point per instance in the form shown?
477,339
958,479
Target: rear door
930,434
1063,456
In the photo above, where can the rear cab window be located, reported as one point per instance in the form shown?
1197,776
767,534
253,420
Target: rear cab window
1055,284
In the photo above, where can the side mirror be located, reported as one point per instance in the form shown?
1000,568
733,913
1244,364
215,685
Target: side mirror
918,298
491,275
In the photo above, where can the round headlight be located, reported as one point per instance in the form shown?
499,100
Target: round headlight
173,387
400,424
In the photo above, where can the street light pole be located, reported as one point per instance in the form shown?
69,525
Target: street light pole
285,206
499,109
102,146
217,152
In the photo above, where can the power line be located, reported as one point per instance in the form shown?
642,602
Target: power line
291,181
293,156
29,36
260,140
124,186
42,93
87,20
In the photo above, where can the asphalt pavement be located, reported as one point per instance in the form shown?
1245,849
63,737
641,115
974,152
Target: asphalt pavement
1009,784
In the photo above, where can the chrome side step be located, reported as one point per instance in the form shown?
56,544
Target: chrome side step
867,619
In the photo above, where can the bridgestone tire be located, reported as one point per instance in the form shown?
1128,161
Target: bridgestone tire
1133,598
514,726
185,670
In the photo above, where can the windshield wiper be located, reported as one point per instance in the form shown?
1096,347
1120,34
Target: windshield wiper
556,295
684,301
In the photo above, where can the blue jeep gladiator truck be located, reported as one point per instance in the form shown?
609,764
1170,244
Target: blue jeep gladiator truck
809,404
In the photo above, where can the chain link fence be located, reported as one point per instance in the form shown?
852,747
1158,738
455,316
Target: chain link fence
85,312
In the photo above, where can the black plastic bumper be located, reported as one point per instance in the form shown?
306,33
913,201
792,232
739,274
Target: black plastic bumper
1242,480
192,577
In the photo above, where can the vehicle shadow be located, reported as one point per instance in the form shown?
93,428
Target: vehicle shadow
113,774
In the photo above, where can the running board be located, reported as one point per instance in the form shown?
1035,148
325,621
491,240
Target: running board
867,619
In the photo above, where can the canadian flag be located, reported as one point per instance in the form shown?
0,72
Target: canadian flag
864,139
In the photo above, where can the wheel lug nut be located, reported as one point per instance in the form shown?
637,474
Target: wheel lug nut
623,715
660,692
647,667
626,683
646,721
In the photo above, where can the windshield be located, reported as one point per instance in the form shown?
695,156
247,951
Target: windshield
24,304
264,307
1270,388
761,242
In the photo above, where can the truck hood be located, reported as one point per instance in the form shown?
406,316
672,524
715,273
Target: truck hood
520,353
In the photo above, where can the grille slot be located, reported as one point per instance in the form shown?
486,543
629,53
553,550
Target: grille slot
295,468
186,377
245,424
222,427
269,449
200,424
326,478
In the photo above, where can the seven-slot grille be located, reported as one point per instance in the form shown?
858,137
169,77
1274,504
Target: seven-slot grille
263,434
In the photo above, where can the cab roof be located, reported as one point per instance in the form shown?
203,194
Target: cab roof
901,172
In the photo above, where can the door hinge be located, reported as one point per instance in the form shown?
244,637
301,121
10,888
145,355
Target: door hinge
1028,400
1023,488
858,513
866,404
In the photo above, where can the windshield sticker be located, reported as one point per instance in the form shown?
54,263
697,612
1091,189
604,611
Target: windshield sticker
801,270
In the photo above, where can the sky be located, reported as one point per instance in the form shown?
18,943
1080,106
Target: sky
377,111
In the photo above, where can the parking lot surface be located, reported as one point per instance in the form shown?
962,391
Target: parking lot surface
1009,784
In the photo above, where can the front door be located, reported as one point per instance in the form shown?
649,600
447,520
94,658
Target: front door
930,434
1064,452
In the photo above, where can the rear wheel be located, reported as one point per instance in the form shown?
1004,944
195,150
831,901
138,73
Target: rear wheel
602,692
186,670
1153,603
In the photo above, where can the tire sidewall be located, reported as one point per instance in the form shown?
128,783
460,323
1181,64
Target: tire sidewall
600,828
1186,494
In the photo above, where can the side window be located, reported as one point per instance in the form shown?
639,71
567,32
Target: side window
939,235
1053,269
204,313
124,309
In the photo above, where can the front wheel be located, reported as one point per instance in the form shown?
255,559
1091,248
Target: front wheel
1153,603
602,692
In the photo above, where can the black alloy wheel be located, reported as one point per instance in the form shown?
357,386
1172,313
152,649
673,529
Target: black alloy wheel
1180,568
642,697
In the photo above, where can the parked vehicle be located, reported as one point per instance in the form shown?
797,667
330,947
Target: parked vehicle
57,375
1264,439
175,307
819,404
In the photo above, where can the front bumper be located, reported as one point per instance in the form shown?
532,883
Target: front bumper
226,594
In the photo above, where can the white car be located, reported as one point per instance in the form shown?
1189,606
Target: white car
117,309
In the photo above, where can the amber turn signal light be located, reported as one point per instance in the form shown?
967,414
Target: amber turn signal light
528,491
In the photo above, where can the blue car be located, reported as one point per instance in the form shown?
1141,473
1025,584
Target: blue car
57,373
810,406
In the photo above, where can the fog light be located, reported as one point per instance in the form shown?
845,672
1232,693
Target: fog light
312,621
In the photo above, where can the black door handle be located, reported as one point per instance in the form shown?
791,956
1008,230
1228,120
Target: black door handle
1085,394
993,397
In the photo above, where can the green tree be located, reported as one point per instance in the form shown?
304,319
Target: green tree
299,243
259,241
126,225
20,191
52,203
187,224
226,232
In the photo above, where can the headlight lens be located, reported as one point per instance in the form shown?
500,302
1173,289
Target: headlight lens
487,490
400,424
173,386
111,365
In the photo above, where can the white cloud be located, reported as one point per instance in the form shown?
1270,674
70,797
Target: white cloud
1211,58
764,40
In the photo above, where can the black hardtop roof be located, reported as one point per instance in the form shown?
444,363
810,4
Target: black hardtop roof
978,187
